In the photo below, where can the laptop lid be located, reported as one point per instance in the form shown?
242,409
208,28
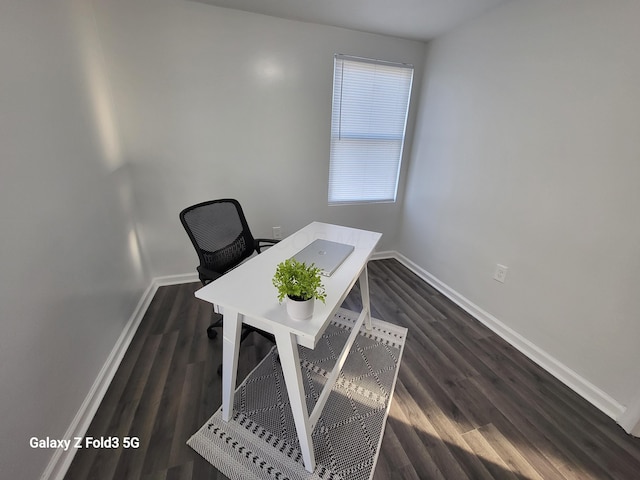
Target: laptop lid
325,254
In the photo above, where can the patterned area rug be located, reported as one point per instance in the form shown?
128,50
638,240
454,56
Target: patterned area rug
261,442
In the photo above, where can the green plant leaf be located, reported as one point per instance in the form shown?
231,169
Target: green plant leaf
299,281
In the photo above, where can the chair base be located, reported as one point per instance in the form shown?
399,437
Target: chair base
211,333
217,323
247,330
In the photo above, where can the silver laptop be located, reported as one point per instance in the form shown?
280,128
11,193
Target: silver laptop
326,255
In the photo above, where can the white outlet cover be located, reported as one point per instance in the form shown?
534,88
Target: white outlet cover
500,273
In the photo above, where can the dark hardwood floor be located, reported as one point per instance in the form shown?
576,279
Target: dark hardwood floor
466,405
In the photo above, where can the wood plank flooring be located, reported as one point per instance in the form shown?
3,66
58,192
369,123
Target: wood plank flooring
467,405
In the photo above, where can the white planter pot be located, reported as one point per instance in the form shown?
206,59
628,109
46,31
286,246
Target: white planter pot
300,310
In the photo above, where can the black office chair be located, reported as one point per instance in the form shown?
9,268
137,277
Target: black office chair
222,239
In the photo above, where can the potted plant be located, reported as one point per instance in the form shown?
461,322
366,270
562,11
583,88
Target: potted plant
301,284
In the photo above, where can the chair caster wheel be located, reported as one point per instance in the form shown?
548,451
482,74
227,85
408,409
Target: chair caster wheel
212,333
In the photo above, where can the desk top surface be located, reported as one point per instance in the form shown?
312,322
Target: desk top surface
249,288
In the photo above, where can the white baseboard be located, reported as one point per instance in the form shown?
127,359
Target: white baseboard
61,460
580,385
384,254
176,279
628,418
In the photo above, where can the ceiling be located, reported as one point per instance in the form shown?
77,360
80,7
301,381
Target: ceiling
414,19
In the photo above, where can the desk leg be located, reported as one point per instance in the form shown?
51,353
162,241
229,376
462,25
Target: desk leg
364,292
231,328
290,361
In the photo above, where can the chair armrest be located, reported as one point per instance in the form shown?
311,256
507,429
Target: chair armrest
264,242
207,276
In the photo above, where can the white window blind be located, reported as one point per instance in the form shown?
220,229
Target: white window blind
368,122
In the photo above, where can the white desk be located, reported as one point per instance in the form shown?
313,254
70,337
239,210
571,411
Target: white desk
247,295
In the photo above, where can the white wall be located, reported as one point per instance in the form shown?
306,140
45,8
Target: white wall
70,274
215,102
527,153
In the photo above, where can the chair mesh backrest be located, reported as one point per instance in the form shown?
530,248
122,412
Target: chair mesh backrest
219,233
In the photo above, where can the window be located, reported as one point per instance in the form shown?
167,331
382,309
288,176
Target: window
369,116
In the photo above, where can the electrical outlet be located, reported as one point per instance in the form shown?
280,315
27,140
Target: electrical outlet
277,233
500,273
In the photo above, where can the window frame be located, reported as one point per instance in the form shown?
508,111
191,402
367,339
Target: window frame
394,137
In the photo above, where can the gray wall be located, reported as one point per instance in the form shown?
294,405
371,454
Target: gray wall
114,116
215,102
71,273
527,153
